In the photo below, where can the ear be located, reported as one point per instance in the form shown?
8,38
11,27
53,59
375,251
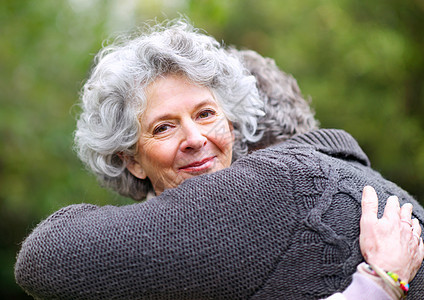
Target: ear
133,166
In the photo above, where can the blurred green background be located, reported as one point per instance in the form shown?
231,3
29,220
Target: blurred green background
361,63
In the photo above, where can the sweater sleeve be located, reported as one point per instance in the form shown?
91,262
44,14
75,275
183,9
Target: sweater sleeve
213,237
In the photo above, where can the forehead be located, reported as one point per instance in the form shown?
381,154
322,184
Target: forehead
175,89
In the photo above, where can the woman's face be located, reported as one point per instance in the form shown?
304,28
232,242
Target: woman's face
184,133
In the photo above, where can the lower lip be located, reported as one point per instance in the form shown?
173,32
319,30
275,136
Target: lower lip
207,165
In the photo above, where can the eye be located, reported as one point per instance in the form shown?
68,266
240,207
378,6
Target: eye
161,128
204,114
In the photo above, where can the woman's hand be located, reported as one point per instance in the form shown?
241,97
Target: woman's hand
393,242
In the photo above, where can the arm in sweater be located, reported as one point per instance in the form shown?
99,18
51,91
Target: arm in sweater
81,254
179,245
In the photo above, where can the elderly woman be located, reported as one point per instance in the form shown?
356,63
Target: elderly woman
164,107
173,104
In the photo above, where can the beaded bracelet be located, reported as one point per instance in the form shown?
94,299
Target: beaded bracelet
400,287
402,284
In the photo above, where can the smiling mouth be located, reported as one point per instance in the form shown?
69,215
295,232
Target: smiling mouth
199,166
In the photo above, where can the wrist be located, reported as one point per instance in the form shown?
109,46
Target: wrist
389,281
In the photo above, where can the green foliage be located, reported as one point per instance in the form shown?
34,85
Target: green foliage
361,63
45,55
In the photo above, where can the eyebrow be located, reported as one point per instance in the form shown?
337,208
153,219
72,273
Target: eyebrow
168,115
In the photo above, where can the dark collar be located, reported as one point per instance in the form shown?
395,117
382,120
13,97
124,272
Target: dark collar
333,142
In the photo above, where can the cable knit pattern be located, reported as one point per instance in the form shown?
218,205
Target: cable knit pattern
281,223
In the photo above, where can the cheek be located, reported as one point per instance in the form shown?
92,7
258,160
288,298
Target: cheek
157,154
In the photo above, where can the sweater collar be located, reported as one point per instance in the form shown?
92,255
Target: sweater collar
333,142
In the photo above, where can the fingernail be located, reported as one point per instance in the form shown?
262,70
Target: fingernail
393,198
408,204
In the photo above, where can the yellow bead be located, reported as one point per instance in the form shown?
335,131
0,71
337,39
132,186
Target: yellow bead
393,275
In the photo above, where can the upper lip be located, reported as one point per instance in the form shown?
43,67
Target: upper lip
197,163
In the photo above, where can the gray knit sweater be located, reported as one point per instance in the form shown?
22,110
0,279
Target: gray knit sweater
281,223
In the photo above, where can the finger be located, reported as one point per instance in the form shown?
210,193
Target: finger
416,231
391,211
421,250
405,213
369,204
416,227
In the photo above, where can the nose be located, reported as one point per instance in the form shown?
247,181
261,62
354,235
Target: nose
193,139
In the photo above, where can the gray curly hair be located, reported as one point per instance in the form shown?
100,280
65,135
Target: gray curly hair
287,113
113,98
